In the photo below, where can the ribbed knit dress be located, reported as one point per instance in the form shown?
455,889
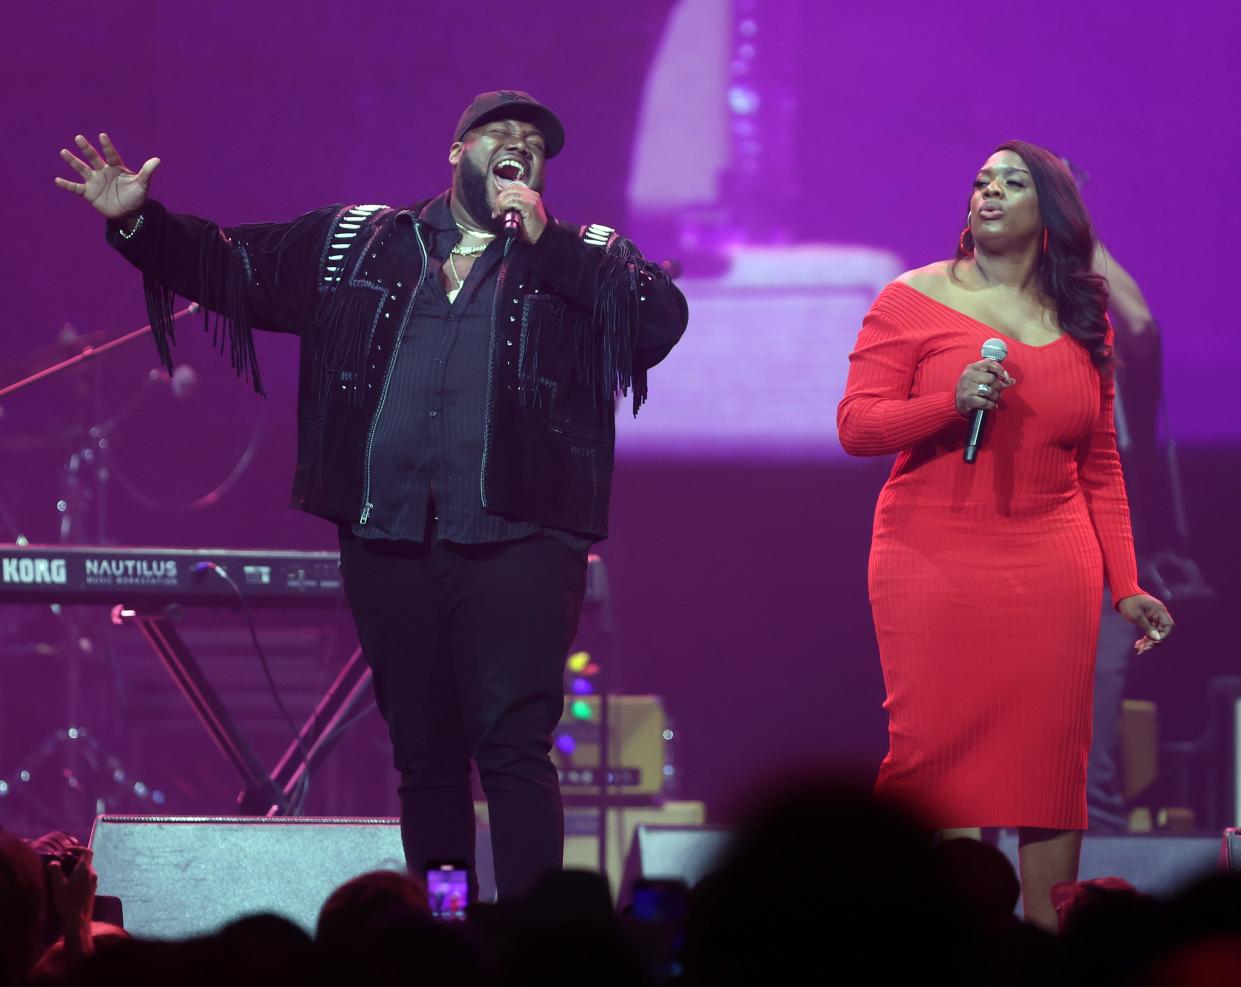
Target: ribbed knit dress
985,579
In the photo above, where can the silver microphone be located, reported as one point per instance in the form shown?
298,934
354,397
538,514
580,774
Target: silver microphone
993,349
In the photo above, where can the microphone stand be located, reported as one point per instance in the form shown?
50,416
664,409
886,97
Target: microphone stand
88,353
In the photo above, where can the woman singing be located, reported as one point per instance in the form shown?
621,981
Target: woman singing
985,577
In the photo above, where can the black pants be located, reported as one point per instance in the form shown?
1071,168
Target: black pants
467,645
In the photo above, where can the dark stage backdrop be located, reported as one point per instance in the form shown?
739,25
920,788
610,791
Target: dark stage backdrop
740,581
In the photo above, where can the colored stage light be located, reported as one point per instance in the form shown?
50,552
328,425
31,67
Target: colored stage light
566,744
581,687
578,661
580,709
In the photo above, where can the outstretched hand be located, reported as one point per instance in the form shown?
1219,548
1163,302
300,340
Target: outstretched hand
1150,615
106,183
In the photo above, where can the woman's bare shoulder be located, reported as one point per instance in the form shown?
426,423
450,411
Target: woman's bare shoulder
933,280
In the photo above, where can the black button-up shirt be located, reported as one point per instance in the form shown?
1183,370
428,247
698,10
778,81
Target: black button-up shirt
427,453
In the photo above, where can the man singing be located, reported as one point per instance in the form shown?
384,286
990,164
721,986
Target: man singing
459,363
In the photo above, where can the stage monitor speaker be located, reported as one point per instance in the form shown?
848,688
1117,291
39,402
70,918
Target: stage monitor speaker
1230,851
679,853
188,876
1158,865
581,832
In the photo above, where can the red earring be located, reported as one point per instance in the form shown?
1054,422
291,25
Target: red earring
1044,241
968,251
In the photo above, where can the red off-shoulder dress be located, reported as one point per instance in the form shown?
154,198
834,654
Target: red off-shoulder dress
985,579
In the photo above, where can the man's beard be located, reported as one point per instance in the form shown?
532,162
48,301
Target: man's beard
474,196
473,184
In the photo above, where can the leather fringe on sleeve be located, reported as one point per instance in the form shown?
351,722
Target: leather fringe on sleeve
235,271
346,319
606,356
160,301
226,313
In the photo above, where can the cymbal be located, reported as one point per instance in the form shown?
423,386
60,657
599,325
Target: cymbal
67,343
37,425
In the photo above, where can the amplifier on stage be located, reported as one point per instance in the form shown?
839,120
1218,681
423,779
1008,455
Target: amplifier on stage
639,746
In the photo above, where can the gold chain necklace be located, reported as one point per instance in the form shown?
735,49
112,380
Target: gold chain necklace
452,266
477,235
460,251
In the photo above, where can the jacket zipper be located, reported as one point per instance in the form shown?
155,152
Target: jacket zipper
383,394
491,370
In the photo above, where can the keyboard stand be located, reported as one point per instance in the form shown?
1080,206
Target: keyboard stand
181,665
263,794
277,793
319,734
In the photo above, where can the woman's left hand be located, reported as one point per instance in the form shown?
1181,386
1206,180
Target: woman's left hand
1150,615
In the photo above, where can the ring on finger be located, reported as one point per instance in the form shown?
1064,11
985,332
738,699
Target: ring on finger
984,388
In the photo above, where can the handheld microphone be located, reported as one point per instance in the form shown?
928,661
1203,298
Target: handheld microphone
512,218
992,349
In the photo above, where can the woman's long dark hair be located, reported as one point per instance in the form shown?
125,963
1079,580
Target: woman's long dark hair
1065,273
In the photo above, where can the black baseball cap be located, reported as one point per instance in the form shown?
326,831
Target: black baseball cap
513,104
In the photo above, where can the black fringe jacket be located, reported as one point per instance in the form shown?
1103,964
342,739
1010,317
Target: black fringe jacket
579,317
